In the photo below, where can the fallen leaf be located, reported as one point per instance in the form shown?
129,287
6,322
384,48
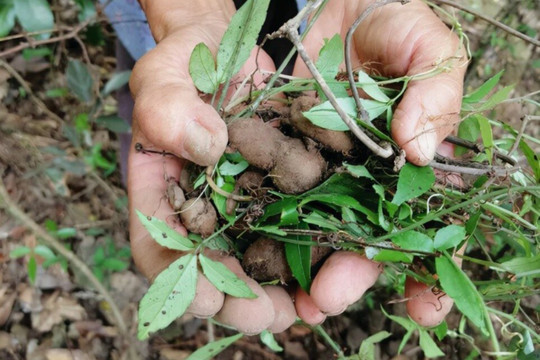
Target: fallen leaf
57,308
66,354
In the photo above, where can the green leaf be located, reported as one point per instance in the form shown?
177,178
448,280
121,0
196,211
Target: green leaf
413,181
267,338
240,38
87,9
371,88
496,99
487,135
321,221
29,54
210,350
66,233
325,116
471,224
342,200
393,256
116,81
169,296
56,92
428,346
413,240
532,159
202,69
460,288
163,234
7,18
299,259
220,201
523,266
367,348
45,252
32,269
227,168
224,279
483,90
441,330
113,264
468,130
79,80
270,229
35,15
449,237
358,171
19,251
99,256
113,123
330,57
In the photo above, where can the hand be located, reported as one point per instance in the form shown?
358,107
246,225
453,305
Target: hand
169,115
395,40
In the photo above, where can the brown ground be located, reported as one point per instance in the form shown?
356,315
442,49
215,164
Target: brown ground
61,317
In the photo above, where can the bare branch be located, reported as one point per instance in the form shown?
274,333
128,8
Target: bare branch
494,22
478,148
361,112
470,168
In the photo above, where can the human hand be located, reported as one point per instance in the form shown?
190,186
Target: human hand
169,115
394,41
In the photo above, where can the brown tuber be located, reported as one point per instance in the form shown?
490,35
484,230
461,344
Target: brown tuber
198,216
338,141
293,168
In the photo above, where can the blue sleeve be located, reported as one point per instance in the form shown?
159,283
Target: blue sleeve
130,25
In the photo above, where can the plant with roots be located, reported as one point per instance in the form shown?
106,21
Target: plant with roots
306,174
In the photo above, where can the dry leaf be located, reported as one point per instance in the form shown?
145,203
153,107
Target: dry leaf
57,308
7,298
65,354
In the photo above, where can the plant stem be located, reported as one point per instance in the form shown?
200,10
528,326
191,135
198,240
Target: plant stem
17,213
321,332
361,112
436,214
494,22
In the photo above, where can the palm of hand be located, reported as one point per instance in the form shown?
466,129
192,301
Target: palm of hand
396,41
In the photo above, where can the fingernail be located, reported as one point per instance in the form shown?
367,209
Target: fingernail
426,142
198,143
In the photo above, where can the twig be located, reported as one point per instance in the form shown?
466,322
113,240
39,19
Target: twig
17,213
290,30
303,13
29,91
107,189
66,36
362,113
524,122
494,22
478,148
450,165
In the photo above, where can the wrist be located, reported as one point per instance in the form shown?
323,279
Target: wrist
168,16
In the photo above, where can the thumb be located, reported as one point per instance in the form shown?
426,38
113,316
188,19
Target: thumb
427,113
168,110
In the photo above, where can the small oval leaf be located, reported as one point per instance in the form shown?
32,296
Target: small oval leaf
224,279
163,234
169,296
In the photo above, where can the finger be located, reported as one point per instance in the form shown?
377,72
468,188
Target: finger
342,280
248,316
427,114
409,40
426,305
168,109
147,186
208,300
285,313
306,308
